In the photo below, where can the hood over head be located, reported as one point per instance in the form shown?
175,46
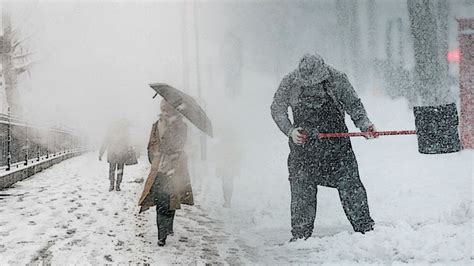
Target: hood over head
312,70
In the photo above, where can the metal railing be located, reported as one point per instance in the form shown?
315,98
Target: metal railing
23,143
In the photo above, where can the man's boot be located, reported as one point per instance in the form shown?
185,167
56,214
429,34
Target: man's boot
364,228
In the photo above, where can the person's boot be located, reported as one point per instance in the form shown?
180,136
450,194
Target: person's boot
367,227
111,177
293,239
162,242
111,188
119,180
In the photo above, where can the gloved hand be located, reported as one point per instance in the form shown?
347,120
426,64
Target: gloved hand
371,132
298,136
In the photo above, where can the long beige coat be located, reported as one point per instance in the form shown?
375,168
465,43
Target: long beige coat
166,155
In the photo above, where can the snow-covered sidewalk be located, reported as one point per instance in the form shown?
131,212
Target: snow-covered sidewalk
65,215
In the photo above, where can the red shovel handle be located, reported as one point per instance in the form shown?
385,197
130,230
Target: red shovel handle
362,134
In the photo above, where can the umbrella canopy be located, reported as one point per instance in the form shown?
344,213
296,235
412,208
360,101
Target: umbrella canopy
186,105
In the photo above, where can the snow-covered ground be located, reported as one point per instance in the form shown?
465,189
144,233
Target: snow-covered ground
422,205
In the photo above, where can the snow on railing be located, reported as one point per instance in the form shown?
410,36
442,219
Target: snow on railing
22,143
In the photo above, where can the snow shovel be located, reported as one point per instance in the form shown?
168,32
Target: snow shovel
436,130
366,134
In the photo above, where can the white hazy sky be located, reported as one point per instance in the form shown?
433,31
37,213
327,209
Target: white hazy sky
97,58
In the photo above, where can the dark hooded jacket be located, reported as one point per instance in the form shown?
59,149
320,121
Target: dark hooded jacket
319,97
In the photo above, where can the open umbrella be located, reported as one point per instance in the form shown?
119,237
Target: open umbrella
184,104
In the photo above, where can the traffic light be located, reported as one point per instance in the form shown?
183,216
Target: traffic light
454,56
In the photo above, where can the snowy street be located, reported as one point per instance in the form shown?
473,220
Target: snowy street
65,215
253,132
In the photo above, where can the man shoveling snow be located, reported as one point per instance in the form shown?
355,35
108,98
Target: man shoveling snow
319,97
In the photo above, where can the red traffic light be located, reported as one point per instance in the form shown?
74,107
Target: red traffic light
454,55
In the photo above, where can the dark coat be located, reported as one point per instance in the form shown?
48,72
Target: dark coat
320,109
340,90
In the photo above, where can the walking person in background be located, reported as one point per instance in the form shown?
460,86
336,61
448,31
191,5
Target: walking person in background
228,154
119,152
168,184
319,97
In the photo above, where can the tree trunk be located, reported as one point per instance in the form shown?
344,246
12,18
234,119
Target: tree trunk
9,73
429,79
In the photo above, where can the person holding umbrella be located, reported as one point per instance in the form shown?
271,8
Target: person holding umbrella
319,97
168,184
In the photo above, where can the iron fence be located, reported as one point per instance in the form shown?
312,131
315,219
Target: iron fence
23,143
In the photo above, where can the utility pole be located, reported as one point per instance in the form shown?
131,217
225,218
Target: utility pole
198,78
197,50
184,45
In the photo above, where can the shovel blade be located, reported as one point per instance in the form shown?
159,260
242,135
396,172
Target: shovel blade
437,129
